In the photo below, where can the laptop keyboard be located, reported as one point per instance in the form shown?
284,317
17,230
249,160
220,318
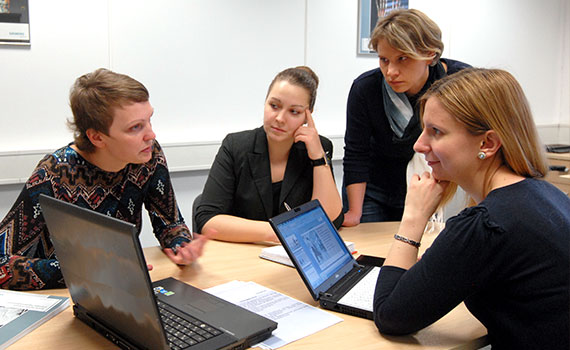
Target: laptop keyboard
362,294
183,333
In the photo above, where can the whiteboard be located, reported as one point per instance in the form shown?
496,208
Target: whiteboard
206,63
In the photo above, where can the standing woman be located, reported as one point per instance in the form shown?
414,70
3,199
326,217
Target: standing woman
382,121
507,257
258,173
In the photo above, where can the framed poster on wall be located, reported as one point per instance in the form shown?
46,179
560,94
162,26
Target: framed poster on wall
368,13
14,22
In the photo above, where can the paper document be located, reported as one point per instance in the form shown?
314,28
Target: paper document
27,301
278,254
22,312
295,319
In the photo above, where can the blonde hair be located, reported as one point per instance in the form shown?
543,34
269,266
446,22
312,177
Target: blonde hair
411,32
492,99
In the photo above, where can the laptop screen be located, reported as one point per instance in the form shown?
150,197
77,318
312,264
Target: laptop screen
314,245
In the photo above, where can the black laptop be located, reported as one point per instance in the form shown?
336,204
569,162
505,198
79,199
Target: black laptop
327,267
558,148
105,270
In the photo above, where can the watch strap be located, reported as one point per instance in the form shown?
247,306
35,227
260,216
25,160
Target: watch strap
320,161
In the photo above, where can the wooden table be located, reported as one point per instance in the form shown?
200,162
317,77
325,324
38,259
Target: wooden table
223,262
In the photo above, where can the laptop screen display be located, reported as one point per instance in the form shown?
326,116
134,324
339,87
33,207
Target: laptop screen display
316,247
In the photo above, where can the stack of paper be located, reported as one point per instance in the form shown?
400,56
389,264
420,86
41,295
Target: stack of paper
278,254
21,312
295,319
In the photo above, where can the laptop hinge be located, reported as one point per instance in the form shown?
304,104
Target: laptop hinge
325,294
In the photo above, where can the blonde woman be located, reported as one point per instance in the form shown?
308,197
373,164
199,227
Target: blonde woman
507,256
382,121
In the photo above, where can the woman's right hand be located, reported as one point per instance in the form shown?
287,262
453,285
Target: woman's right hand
308,134
423,197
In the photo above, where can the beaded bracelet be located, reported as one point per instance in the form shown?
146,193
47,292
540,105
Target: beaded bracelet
407,240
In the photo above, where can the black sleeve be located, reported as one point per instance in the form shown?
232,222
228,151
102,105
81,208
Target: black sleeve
454,66
219,190
457,264
356,137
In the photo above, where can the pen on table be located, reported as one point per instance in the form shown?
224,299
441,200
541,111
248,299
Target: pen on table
287,206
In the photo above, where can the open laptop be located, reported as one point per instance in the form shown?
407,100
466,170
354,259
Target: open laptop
327,267
105,270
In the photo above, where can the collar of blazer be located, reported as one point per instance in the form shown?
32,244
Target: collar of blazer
261,172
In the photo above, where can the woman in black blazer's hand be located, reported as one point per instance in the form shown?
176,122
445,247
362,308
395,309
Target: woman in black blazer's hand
258,173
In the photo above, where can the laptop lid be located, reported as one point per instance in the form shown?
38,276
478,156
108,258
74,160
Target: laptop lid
104,274
314,245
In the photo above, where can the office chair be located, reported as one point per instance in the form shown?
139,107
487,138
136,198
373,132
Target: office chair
195,204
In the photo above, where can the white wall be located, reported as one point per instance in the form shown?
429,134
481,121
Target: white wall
527,37
564,95
67,40
208,63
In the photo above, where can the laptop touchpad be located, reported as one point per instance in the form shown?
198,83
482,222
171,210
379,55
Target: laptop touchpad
204,305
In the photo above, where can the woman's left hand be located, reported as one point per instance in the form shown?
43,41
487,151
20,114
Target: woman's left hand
308,134
188,252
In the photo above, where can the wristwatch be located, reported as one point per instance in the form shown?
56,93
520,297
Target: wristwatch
321,161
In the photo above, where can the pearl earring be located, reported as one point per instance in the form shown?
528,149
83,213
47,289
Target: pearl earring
481,155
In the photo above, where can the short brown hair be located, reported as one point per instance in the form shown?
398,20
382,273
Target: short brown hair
492,99
410,31
92,99
302,76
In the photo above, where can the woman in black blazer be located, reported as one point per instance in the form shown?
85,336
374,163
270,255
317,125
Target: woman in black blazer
258,173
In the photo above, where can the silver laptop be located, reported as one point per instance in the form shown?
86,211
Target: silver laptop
105,270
